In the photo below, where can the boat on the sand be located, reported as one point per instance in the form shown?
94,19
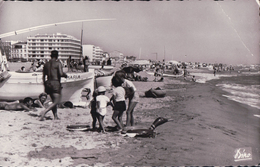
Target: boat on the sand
20,85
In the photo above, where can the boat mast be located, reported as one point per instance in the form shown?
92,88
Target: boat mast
81,52
140,52
164,53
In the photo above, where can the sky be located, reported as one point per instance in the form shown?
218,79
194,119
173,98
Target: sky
204,31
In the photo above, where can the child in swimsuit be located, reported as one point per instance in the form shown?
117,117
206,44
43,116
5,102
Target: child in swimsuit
118,99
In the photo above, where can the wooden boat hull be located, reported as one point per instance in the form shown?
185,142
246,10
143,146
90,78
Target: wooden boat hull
21,85
104,81
99,67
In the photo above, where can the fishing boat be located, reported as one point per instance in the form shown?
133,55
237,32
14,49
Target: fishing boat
21,85
106,67
16,85
103,78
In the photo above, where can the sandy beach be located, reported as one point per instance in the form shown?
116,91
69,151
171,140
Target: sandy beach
204,128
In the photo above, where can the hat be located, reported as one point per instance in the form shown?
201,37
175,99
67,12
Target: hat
101,89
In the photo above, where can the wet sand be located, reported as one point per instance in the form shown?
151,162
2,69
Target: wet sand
205,128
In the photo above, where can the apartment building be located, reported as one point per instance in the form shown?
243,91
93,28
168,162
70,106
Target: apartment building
94,53
41,45
6,49
19,51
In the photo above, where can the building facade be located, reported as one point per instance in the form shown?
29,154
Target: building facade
94,53
6,46
19,51
41,45
117,55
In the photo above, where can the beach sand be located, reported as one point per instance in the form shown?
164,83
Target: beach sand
204,128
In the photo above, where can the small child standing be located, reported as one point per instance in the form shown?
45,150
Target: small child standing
118,99
102,102
93,109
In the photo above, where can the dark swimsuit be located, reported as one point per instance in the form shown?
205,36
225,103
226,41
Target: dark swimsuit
120,106
52,86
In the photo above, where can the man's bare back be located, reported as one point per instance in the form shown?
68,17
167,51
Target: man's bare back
53,70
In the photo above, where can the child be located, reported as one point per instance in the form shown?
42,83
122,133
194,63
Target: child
132,95
93,109
102,102
98,107
118,99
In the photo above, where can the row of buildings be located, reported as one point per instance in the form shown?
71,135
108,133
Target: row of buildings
41,45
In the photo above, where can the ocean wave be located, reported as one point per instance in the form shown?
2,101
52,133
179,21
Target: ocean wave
253,102
247,88
204,77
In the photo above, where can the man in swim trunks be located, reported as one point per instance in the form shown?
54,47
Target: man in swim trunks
53,70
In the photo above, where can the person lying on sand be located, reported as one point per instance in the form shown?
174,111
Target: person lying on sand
42,101
17,106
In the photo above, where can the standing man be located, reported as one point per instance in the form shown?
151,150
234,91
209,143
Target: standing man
69,63
53,70
86,63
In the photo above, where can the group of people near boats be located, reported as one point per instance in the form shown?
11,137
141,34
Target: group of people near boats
52,72
122,89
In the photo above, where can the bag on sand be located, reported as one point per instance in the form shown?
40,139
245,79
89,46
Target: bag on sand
155,93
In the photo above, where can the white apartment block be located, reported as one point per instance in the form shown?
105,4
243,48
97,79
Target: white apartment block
41,45
94,53
19,50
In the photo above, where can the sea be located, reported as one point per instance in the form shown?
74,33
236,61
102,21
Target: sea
241,85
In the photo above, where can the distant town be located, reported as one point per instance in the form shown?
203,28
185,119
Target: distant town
40,46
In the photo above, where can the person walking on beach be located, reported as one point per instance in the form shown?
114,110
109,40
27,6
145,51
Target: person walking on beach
215,70
156,73
53,70
132,95
118,100
185,74
193,78
102,102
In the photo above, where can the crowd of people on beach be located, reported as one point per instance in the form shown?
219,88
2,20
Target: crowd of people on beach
123,89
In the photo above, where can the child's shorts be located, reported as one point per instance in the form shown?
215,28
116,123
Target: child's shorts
120,106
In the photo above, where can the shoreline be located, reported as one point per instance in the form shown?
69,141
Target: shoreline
205,128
